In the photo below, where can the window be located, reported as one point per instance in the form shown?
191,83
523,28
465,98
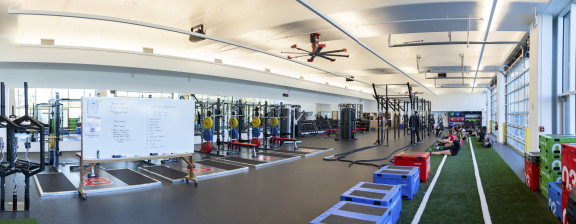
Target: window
517,104
493,109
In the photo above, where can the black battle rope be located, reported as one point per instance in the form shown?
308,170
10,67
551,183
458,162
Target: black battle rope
364,162
342,156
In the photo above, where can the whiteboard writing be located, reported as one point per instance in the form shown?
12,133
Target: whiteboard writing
136,127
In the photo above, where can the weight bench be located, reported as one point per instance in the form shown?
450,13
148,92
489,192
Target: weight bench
240,144
363,130
274,139
331,131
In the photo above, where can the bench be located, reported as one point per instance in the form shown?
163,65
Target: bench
276,139
240,144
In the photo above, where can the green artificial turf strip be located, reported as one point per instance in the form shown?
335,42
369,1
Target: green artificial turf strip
509,199
454,198
18,221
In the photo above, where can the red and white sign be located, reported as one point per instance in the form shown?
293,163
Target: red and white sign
97,181
568,156
266,158
201,169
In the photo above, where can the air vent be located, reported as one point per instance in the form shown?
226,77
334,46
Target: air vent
148,50
441,75
218,60
47,41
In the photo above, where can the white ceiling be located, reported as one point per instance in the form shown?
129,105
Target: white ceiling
275,25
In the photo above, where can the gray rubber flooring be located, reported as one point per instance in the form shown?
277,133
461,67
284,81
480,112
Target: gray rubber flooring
292,192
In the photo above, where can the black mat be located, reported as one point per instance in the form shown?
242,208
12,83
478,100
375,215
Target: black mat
377,186
219,165
275,155
54,182
367,194
336,219
370,210
400,167
166,172
395,172
131,177
241,160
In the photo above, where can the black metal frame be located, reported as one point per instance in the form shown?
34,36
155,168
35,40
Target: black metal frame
23,124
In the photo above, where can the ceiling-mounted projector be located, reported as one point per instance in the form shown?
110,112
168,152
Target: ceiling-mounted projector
197,29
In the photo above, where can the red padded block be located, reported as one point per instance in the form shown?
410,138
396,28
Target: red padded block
532,175
419,159
565,195
568,157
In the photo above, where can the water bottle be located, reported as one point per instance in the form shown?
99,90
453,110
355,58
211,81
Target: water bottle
98,154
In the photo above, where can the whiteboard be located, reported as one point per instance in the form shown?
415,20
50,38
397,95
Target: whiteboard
132,127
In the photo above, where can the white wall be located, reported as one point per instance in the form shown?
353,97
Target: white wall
147,80
370,106
458,102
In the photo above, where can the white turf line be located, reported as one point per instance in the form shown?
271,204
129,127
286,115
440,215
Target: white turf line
427,195
485,211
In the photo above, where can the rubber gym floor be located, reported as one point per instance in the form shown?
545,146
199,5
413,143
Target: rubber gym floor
299,191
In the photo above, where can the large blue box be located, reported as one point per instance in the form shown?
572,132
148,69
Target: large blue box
555,199
352,212
376,194
408,177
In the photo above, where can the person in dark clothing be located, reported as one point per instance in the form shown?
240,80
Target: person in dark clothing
416,127
451,149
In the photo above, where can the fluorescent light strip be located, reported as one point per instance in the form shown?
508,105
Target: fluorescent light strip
327,19
167,28
484,45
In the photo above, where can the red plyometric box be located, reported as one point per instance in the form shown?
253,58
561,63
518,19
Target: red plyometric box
568,156
532,172
565,195
419,159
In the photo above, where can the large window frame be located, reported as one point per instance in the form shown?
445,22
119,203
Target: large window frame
493,109
516,95
567,82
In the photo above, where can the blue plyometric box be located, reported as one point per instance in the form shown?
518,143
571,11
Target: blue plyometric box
555,199
408,177
376,194
352,212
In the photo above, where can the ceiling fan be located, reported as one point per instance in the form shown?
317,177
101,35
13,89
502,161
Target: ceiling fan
316,50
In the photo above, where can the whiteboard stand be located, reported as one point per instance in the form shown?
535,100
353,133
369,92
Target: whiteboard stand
190,161
125,126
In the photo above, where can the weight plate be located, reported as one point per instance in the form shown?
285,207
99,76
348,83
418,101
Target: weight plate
234,133
274,121
275,131
207,147
233,122
256,122
208,123
255,132
207,135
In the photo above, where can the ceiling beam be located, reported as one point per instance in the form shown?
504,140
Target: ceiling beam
169,29
485,39
454,43
333,23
